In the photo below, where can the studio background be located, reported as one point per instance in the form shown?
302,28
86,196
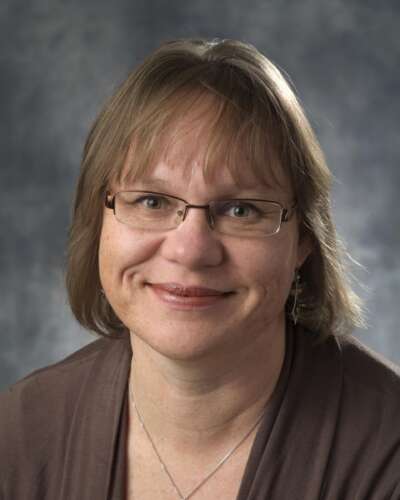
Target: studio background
60,60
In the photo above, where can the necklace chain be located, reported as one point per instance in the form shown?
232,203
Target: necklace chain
165,468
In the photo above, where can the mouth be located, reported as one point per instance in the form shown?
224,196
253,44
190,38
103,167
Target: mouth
189,291
180,296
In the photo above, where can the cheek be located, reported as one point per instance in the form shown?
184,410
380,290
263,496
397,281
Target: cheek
121,253
273,276
269,270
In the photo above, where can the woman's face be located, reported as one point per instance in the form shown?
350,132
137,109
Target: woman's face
253,276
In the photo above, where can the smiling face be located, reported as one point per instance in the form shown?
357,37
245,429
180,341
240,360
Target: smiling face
249,278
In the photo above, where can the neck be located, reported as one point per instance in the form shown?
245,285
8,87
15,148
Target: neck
195,405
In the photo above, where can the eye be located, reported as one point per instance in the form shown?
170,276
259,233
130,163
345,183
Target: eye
240,210
152,202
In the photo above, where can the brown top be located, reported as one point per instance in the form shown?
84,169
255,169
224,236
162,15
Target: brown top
331,430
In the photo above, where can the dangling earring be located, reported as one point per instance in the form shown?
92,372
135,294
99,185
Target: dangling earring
294,313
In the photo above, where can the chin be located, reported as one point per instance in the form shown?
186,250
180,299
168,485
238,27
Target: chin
182,344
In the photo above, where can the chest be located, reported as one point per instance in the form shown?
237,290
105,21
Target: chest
147,480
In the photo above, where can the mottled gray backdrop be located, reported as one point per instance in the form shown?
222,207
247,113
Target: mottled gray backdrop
59,61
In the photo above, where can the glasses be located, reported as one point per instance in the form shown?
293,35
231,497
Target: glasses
152,211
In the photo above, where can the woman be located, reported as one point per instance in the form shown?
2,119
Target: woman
203,253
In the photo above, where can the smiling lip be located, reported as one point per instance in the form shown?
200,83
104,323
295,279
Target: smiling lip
182,297
187,291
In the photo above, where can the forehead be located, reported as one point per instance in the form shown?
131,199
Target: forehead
209,135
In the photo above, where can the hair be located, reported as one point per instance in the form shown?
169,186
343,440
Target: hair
253,114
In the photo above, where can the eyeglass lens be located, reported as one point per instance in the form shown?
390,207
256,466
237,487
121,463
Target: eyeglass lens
160,212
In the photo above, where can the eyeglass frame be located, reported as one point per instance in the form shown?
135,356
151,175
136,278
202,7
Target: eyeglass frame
109,203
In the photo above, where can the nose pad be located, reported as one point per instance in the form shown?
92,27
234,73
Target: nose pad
192,245
209,216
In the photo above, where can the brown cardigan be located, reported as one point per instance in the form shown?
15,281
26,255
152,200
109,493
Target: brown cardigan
331,430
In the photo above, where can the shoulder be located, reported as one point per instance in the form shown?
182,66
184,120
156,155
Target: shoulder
52,377
36,411
362,369
370,397
22,400
367,434
54,382
369,383
367,372
350,397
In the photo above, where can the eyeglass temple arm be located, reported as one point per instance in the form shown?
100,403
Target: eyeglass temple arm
285,213
109,200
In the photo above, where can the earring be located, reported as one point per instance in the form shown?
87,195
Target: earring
294,313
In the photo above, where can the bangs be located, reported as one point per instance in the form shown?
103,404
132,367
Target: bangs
235,132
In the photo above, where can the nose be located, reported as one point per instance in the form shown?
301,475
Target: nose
193,243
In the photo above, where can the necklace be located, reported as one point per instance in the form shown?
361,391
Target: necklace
165,468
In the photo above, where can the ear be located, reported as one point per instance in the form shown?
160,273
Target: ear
304,249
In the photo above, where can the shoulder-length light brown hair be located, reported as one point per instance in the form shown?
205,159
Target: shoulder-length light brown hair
255,115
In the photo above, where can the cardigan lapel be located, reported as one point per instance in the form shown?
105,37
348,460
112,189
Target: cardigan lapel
292,448
95,444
